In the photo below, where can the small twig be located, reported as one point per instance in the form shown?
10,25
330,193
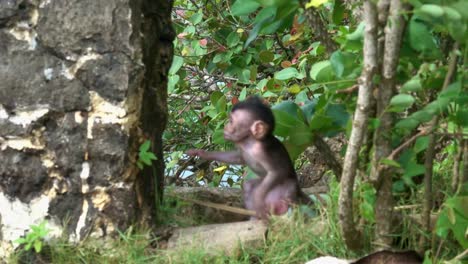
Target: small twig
224,207
348,90
406,207
461,255
406,144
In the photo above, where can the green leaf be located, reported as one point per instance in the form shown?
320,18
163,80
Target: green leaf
218,137
151,156
401,101
261,84
244,7
412,169
177,63
338,12
443,225
431,10
266,56
221,104
336,61
358,34
390,162
232,39
253,34
215,96
196,18
322,71
407,124
319,121
422,116
452,14
420,37
294,89
315,3
38,246
286,74
243,94
145,160
172,82
413,85
273,2
145,146
421,144
300,135
288,116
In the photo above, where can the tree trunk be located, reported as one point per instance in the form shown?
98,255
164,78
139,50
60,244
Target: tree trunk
77,78
317,23
351,235
382,177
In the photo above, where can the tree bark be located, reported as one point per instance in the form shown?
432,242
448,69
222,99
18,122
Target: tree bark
320,28
429,156
351,235
457,160
464,179
157,57
382,178
332,162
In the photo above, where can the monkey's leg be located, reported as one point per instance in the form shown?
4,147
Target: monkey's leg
281,197
249,188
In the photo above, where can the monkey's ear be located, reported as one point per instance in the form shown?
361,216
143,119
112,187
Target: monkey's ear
259,129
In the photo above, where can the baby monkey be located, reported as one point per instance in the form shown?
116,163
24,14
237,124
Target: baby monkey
250,128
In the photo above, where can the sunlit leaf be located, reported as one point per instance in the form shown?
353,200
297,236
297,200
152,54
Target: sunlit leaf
358,34
432,10
286,74
220,169
400,102
294,89
322,71
315,3
200,175
177,63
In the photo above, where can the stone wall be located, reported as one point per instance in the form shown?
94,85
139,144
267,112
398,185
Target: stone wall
82,85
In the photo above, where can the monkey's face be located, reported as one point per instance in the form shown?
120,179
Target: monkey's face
238,126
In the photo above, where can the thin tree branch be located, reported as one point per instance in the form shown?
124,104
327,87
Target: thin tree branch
429,156
382,179
351,235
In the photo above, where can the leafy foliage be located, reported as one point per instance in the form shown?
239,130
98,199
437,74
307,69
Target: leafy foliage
145,156
35,237
228,50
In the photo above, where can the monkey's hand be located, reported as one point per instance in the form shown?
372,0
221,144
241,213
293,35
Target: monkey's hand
196,153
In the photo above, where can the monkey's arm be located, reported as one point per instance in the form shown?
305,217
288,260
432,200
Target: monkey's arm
231,157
